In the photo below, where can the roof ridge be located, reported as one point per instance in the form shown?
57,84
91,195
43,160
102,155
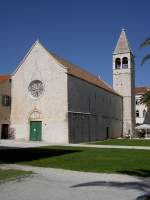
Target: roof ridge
98,82
74,64
73,70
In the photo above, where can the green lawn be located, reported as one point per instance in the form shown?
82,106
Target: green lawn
125,161
126,142
12,174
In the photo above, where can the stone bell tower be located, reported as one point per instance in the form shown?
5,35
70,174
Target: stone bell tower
124,81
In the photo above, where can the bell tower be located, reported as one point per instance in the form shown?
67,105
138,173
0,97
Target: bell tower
124,81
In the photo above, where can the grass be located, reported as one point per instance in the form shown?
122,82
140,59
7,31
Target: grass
125,161
125,142
10,174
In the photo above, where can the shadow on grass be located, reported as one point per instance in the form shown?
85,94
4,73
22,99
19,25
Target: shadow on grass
15,155
136,172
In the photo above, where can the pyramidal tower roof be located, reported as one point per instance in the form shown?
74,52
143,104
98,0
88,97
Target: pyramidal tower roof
122,44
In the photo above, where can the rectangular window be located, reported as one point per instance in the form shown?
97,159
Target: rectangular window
136,101
5,100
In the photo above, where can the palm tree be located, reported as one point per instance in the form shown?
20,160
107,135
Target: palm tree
146,97
144,44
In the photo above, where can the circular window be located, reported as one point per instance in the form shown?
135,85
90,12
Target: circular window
36,88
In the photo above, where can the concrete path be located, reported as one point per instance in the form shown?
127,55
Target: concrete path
58,184
109,146
22,144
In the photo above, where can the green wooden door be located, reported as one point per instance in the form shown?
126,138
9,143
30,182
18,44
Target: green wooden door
35,130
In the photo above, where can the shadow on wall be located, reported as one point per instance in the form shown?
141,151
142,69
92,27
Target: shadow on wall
14,155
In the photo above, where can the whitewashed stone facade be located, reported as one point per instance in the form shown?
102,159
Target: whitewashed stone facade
52,105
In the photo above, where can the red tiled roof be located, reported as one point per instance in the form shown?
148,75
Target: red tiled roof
140,90
83,74
4,78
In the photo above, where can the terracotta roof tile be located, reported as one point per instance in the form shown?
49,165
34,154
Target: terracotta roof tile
4,78
83,74
140,90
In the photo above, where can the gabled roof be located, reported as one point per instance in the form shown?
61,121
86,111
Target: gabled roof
4,78
74,70
122,44
26,55
83,74
141,90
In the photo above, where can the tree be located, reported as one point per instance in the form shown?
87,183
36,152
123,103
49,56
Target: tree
146,97
144,44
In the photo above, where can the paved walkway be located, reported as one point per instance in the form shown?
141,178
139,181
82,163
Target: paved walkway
109,146
21,144
27,144
58,184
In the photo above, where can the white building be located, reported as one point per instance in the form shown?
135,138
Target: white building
141,109
55,101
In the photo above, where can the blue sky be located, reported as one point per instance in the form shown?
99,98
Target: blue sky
83,31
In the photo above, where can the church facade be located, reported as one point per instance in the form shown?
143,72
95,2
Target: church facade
55,101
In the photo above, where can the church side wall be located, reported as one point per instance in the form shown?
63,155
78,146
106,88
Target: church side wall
52,106
94,114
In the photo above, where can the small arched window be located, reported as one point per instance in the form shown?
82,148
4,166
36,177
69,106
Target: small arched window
125,63
144,113
137,113
117,63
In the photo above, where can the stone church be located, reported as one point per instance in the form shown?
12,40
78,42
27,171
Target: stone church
47,98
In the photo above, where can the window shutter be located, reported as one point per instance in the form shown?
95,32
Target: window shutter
5,100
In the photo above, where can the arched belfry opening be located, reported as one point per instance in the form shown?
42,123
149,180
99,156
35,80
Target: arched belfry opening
124,62
117,63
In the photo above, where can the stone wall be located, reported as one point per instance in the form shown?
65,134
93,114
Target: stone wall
94,113
124,84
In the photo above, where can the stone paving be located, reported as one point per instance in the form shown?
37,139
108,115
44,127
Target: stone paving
27,144
109,146
58,184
